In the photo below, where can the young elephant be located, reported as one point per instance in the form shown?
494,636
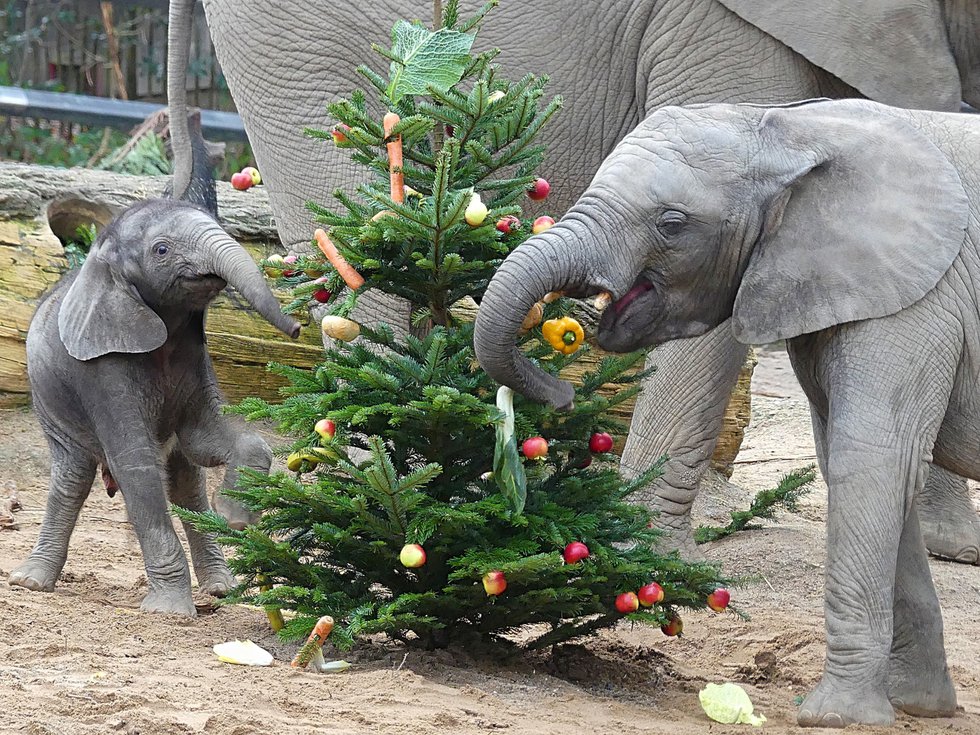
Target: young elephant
852,230
121,376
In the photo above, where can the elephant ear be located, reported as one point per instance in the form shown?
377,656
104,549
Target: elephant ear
892,51
103,313
865,215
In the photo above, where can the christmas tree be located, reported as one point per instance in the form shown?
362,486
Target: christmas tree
408,508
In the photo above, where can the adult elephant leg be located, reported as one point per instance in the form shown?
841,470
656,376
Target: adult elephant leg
72,473
188,489
918,677
950,525
679,413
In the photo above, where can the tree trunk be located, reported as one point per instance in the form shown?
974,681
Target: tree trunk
39,204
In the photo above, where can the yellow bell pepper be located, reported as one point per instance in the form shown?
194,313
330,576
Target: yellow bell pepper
565,335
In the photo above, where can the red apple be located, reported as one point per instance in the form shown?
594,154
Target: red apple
254,173
339,134
507,224
542,223
290,259
719,599
674,627
325,428
321,295
650,594
241,181
627,603
600,442
539,189
494,583
535,448
412,556
575,552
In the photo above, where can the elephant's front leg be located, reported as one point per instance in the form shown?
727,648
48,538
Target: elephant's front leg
679,413
72,473
950,524
210,439
134,461
188,489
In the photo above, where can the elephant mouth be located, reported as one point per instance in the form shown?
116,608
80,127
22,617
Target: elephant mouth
640,287
205,283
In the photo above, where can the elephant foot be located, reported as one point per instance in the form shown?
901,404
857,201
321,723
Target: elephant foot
951,533
918,679
836,703
35,574
170,601
237,515
217,582
925,698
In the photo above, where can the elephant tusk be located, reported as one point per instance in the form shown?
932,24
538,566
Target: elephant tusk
602,301
552,296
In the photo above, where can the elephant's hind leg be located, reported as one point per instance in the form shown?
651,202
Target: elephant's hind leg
949,522
918,678
188,489
72,474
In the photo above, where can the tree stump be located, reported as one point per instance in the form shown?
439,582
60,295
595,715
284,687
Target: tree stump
40,204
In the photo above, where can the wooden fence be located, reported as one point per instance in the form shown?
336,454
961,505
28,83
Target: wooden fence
106,49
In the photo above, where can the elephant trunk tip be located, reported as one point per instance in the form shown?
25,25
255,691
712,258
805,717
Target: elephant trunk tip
288,326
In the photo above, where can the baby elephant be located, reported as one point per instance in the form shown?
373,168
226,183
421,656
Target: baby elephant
121,376
851,230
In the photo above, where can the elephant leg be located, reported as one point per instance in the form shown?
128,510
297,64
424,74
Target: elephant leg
188,490
679,413
918,678
949,522
72,474
213,439
874,458
140,478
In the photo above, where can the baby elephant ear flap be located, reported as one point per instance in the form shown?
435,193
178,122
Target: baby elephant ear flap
103,313
864,216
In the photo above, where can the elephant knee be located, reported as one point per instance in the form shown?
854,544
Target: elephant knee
253,452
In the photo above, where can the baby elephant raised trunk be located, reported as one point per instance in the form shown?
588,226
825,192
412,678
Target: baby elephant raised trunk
231,261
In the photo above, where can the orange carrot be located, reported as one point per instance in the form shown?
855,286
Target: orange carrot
395,158
351,277
314,643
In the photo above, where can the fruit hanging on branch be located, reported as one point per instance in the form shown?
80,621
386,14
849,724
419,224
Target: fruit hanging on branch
719,599
650,594
326,428
476,211
539,189
339,135
412,556
535,448
627,603
600,443
494,583
542,223
575,552
508,224
673,628
565,335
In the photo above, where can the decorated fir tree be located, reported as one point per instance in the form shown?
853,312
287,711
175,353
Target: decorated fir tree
408,508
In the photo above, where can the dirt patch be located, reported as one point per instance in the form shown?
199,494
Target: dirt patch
86,660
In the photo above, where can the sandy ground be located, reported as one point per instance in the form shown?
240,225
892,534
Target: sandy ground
85,660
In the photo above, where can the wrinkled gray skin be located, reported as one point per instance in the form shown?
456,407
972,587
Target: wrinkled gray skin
120,376
852,230
613,63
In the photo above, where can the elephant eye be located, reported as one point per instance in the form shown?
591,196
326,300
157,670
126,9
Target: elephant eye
671,222
161,248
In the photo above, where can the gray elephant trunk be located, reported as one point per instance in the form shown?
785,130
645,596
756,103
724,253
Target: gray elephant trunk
552,261
178,44
231,261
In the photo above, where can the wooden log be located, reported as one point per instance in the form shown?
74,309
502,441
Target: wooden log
38,203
